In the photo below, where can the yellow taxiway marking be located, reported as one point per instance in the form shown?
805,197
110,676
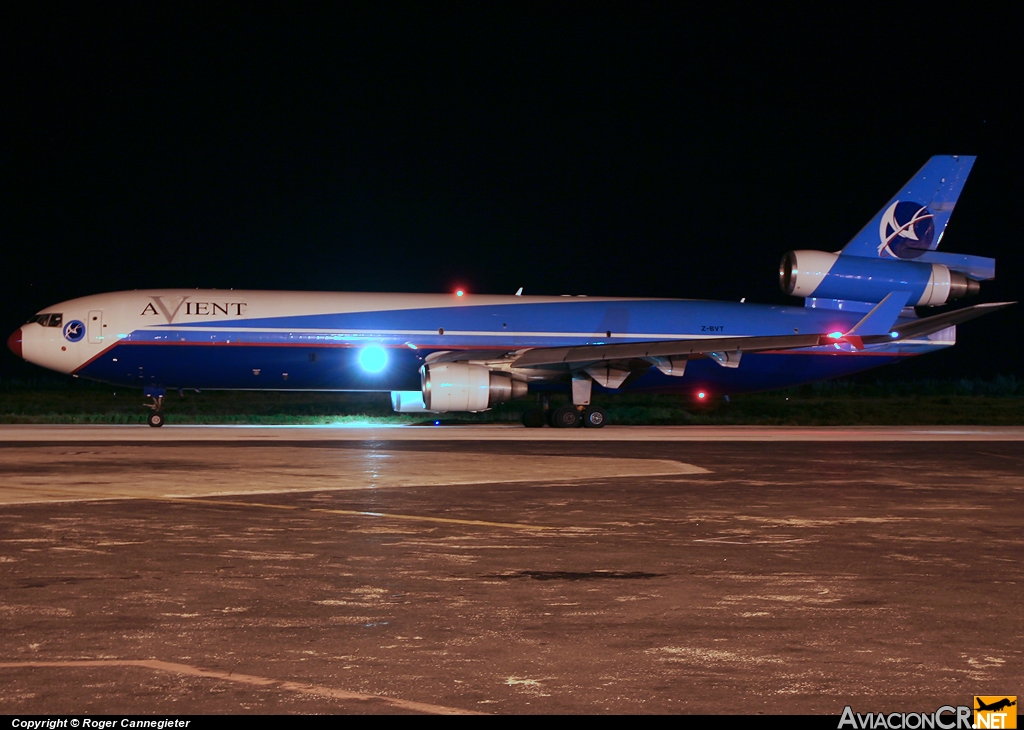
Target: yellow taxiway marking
34,474
449,520
347,512
363,513
308,689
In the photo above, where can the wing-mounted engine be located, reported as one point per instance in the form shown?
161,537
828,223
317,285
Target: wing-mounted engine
460,386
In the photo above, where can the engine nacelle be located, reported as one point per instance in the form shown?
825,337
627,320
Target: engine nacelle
831,276
459,386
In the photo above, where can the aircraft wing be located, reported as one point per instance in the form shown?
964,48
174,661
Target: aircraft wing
547,356
721,348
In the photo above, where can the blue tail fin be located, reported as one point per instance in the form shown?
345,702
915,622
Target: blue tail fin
912,223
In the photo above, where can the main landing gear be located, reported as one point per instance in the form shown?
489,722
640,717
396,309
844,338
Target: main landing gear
156,418
569,416
594,417
573,416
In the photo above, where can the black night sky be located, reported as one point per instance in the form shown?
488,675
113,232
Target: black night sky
565,148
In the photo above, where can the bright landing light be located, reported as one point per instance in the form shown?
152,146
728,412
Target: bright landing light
373,358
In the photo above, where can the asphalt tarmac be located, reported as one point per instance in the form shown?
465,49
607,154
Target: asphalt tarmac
483,570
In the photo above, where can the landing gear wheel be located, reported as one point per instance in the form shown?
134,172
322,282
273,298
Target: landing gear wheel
594,417
156,418
533,418
566,417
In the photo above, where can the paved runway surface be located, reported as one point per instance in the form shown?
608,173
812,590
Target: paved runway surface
382,571
488,432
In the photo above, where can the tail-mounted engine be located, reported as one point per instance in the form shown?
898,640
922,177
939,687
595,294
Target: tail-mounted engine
863,279
459,386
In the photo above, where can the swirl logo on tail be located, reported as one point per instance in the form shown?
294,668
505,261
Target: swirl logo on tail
906,230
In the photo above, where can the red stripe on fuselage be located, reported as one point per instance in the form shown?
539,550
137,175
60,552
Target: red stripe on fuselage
496,348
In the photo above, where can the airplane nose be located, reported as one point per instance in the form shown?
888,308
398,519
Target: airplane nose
14,342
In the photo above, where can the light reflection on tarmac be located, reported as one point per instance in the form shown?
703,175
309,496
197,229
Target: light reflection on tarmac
489,432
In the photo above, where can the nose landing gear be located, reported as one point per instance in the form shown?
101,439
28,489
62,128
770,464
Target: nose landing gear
156,418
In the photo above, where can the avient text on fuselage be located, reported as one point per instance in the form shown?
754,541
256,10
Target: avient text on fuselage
203,308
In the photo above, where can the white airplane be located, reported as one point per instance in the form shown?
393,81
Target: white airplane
463,352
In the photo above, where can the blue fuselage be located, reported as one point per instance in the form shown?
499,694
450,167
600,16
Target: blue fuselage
322,351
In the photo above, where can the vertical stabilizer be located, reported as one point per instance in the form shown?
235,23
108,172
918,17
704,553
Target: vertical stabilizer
912,223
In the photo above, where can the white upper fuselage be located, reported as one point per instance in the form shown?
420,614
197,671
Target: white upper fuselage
246,339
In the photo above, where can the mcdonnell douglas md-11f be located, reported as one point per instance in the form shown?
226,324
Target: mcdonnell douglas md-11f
441,353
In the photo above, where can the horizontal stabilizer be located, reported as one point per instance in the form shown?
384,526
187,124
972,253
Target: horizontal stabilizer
928,325
978,268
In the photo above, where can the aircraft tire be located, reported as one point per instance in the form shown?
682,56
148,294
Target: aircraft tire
595,417
534,418
156,419
566,417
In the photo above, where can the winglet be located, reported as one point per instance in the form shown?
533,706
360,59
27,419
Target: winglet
882,316
879,321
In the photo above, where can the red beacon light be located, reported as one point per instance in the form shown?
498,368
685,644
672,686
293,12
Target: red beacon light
701,395
459,292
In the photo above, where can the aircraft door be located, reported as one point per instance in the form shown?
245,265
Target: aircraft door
95,326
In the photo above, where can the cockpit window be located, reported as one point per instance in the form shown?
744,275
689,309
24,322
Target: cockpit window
47,320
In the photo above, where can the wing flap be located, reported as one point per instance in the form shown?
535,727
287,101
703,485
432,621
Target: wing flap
546,356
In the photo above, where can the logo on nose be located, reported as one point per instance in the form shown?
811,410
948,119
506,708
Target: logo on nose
74,330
